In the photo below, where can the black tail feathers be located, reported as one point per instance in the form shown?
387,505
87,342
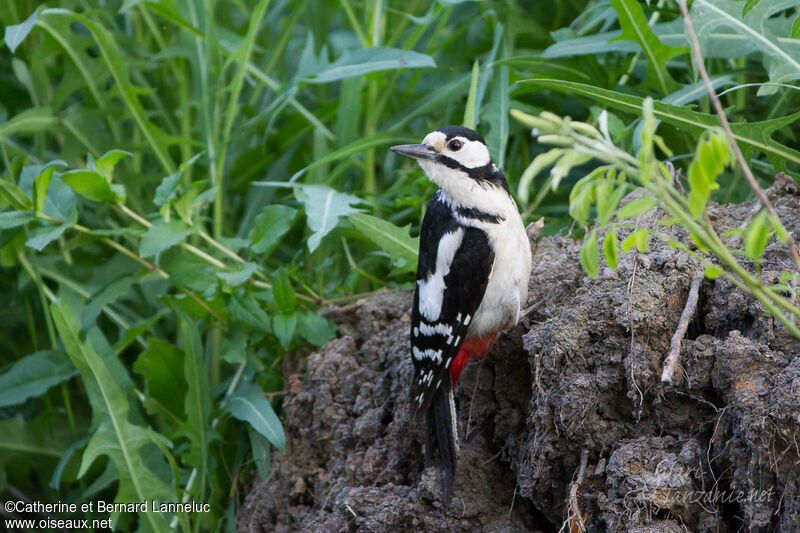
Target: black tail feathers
442,435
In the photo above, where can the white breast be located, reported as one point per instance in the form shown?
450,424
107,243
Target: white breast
507,290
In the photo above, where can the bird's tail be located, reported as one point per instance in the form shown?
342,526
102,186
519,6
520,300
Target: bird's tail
442,434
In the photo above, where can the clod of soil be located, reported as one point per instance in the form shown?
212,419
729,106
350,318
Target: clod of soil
715,452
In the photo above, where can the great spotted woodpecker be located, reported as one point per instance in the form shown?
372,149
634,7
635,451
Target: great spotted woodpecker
472,277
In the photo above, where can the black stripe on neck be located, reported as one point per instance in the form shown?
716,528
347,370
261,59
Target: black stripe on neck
477,214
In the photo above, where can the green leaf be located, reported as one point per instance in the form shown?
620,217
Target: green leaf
713,272
197,401
315,329
269,227
13,219
375,59
469,109
33,375
14,196
122,441
755,135
163,235
638,238
248,404
161,365
796,26
105,163
324,206
93,186
756,236
31,120
245,308
611,249
393,240
240,276
748,6
16,438
283,327
539,163
711,16
42,184
156,139
636,207
44,235
590,259
635,28
14,35
283,292
262,457
497,117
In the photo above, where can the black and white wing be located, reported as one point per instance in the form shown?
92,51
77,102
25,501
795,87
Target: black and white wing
455,263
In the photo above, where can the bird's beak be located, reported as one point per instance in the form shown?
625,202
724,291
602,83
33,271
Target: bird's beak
417,151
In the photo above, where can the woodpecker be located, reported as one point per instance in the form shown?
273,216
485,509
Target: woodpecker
472,277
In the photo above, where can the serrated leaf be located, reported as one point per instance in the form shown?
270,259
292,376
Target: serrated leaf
590,259
248,404
611,249
269,227
636,28
636,207
93,186
33,375
756,236
375,59
116,437
163,235
392,239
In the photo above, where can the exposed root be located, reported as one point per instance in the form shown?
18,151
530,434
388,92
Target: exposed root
576,519
673,360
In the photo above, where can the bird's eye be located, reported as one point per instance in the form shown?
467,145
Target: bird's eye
455,145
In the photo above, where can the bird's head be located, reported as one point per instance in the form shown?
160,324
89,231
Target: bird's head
456,159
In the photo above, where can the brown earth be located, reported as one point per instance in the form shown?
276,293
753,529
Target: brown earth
579,377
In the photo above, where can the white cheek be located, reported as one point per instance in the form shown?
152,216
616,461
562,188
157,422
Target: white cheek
474,154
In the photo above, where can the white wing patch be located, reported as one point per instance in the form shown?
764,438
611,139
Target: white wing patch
431,290
430,353
435,329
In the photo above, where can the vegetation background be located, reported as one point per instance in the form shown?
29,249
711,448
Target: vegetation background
185,184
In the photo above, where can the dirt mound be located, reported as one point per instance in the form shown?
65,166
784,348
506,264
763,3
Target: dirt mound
566,416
